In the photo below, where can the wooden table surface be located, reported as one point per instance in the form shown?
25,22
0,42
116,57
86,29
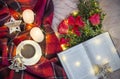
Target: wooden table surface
112,20
112,25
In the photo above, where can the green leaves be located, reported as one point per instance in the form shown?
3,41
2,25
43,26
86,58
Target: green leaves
87,25
88,7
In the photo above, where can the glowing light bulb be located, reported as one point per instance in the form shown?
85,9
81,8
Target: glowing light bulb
98,57
105,61
75,13
77,63
57,34
97,41
64,58
36,34
28,16
63,46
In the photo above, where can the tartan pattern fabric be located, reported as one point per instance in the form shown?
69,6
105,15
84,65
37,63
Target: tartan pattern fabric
48,66
4,12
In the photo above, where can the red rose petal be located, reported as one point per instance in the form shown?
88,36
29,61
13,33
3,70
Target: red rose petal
71,20
95,19
63,27
80,22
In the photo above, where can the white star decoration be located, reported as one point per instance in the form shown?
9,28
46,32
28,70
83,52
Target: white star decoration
13,25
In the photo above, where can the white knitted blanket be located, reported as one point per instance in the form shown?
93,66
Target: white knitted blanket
62,8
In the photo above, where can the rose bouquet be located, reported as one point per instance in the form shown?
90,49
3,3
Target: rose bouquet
81,25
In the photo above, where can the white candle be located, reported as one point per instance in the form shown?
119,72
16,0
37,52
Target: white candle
28,16
37,34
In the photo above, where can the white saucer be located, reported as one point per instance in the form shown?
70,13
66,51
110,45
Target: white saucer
35,58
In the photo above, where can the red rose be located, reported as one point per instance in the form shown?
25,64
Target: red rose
63,41
71,20
76,30
80,22
95,19
63,27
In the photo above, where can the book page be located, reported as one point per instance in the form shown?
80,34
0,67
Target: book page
76,63
101,50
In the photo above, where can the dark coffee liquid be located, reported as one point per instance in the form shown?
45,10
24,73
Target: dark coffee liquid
28,51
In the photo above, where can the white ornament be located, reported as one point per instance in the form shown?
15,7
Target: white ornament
17,64
13,25
28,16
36,34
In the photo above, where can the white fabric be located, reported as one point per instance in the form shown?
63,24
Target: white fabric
62,8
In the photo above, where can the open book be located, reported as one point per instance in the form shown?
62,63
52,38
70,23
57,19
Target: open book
79,60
